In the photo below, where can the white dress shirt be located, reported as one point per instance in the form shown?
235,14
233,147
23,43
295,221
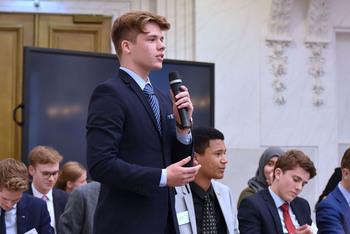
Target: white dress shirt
49,203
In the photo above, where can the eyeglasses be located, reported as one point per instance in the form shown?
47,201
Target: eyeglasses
47,174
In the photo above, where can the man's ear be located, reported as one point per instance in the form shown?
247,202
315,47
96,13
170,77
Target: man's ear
345,173
126,46
278,173
31,170
195,159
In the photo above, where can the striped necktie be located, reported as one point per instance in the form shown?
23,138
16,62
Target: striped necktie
148,91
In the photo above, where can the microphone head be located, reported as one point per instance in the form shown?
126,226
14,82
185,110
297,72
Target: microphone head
174,77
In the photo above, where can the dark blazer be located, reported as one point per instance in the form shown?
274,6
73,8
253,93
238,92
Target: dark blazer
333,214
126,153
60,199
258,214
32,213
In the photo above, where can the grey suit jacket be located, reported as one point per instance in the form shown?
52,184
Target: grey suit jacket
78,215
186,214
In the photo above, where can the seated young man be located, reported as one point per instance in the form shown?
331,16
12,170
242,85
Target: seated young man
205,205
20,212
44,163
333,213
278,209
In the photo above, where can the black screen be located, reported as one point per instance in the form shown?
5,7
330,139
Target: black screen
57,89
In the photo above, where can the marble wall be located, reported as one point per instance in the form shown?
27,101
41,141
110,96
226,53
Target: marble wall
281,79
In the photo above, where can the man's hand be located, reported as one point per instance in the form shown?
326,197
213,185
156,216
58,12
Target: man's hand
183,101
177,175
305,229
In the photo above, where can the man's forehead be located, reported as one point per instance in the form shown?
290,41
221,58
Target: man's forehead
48,166
299,172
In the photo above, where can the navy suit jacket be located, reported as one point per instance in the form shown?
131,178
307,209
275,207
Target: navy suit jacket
32,213
126,153
60,199
333,214
258,214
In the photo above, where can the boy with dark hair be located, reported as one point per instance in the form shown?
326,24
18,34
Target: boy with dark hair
20,212
278,209
205,205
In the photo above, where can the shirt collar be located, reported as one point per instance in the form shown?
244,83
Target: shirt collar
278,201
137,78
195,188
345,192
36,193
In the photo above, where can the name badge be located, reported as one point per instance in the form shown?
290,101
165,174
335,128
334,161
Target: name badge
182,218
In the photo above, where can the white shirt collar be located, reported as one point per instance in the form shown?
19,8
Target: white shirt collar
137,78
278,201
37,194
345,192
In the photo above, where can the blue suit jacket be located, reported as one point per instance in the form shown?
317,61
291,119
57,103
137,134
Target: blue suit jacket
32,213
333,214
60,199
258,214
126,153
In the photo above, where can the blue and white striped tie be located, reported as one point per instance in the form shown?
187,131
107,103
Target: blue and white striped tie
148,91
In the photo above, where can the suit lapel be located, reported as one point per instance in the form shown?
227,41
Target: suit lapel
190,207
142,97
299,212
22,215
223,205
343,204
270,204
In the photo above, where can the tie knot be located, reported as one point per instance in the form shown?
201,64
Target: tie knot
2,211
285,207
45,198
207,197
148,89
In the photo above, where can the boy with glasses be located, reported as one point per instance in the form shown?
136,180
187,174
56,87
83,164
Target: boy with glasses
44,162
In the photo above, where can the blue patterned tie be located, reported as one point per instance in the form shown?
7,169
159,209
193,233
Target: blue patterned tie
148,90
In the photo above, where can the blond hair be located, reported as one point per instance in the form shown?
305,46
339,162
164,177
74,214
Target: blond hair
13,175
44,155
129,25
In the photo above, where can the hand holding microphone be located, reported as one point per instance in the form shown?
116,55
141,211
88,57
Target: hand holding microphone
182,101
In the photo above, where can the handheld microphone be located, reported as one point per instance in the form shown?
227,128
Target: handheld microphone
175,82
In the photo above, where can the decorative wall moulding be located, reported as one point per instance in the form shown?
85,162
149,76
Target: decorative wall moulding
278,68
317,41
278,39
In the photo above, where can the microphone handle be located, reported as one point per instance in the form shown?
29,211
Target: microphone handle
182,111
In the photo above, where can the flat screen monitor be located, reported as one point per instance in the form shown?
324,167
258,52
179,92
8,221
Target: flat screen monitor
57,89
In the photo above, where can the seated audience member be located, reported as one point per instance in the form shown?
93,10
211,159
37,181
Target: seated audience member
331,185
78,216
205,205
20,213
333,213
264,174
44,163
72,175
278,209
